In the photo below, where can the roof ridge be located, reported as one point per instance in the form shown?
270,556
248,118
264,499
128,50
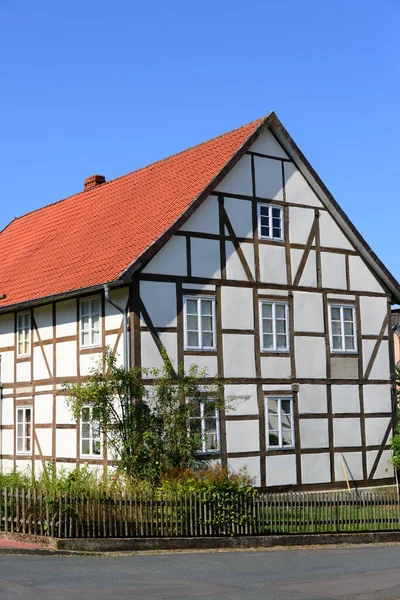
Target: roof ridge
160,160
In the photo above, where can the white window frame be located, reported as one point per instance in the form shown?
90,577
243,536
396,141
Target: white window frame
202,419
271,236
24,332
199,299
91,329
24,437
274,303
280,446
343,349
91,438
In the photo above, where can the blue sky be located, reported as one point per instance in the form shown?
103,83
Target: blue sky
99,87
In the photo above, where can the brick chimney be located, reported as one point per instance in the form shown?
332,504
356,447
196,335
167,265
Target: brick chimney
93,181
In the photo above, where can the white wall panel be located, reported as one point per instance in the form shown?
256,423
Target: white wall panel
88,362
372,311
238,180
275,367
159,299
7,465
300,223
346,432
315,468
268,178
40,370
63,413
251,464
44,437
377,398
272,264
309,275
6,330
331,235
44,408
205,258
66,359
375,429
333,268
308,312
361,277
7,367
267,144
242,436
66,443
113,316
385,468
66,314
234,268
345,399
381,366
352,469
281,470
24,371
151,357
246,399
7,443
310,357
203,362
171,259
205,219
240,216
237,308
314,433
238,355
43,316
312,399
7,411
297,189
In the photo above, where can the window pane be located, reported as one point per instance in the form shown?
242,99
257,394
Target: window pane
348,314
206,323
267,310
193,339
264,221
206,307
280,311
195,409
20,348
192,323
285,406
85,338
28,415
348,328
276,213
264,210
337,342
96,337
20,446
287,437
272,406
336,328
267,326
95,306
20,429
27,444
20,416
96,321
350,343
265,231
85,430
85,323
281,326
335,313
281,341
96,447
273,438
276,232
208,340
85,446
84,307
191,307
26,346
273,422
209,409
268,341
211,441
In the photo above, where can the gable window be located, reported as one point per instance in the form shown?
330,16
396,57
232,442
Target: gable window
90,434
24,334
280,430
90,322
270,222
274,326
24,430
199,323
342,325
204,422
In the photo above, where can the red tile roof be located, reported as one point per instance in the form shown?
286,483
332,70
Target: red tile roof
92,237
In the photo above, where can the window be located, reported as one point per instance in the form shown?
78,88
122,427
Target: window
24,334
342,328
270,222
90,322
199,323
280,422
90,434
205,421
274,326
24,431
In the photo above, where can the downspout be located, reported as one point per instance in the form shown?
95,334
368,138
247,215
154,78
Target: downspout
125,325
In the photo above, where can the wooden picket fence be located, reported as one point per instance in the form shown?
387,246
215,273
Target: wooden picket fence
65,515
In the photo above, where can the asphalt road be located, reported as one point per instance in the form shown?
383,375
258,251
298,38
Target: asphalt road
352,572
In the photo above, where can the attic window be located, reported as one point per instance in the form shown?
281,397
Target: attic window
270,222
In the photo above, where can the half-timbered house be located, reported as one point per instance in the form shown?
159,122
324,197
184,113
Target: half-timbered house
232,255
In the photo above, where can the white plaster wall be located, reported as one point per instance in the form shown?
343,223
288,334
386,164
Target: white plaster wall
297,189
337,296
272,263
345,399
40,370
234,269
88,362
151,357
44,408
24,465
200,286
242,436
246,399
205,258
275,367
331,235
352,466
63,414
7,465
44,437
240,216
309,275
333,269
171,259
375,429
308,312
205,219
281,470
315,468
381,366
24,371
377,398
238,180
113,317
314,433
310,357
66,359
66,443
7,411
237,308
300,223
7,442
273,387
203,362
346,432
361,277
66,314
238,355
251,464
44,320
159,299
44,388
6,330
312,399
267,144
384,468
268,176
7,367
372,312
